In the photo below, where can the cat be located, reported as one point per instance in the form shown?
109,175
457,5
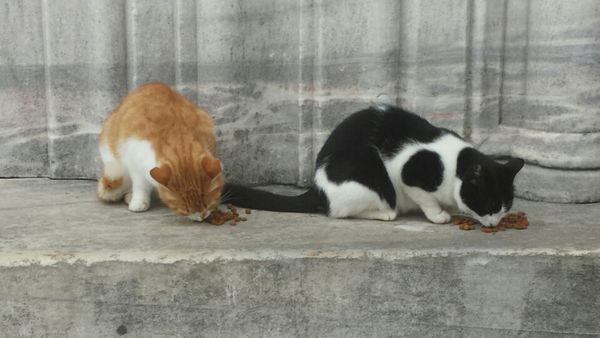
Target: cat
156,138
384,161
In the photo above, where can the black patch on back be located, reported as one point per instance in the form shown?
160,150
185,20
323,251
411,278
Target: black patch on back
399,127
425,170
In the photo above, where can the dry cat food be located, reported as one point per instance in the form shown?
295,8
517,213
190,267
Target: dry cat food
218,217
464,223
517,220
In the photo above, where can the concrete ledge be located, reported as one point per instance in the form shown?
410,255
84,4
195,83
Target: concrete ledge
72,267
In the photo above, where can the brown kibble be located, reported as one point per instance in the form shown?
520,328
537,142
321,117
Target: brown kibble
489,230
248,211
218,217
517,220
466,226
464,223
232,208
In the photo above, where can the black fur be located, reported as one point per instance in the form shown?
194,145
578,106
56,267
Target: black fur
425,170
312,200
487,184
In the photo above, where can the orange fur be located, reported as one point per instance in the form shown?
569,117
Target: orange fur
181,135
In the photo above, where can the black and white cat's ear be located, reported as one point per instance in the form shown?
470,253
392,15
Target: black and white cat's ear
514,166
474,174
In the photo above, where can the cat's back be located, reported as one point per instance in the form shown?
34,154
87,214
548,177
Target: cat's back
386,127
156,112
156,103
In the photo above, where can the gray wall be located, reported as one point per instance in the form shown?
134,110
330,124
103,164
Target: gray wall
516,77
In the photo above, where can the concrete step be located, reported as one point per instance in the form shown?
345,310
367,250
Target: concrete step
73,267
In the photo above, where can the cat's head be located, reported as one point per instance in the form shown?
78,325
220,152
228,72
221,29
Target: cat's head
485,189
192,188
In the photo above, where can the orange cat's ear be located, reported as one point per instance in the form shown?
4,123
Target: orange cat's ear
161,174
211,166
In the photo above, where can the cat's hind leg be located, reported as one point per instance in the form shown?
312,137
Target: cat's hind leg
114,182
353,199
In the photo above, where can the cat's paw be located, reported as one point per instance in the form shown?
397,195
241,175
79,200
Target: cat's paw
127,197
382,215
439,218
138,205
107,191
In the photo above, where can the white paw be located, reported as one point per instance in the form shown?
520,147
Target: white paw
388,215
137,205
439,218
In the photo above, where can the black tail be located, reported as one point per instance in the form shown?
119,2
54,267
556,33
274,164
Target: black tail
311,201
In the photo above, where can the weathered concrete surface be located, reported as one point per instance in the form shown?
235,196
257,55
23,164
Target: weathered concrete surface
71,266
278,76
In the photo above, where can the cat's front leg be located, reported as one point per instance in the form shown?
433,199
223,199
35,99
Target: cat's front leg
139,198
382,215
429,205
436,215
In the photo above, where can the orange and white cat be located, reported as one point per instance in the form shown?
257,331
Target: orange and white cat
157,138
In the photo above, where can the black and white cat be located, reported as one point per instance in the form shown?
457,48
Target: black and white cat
384,161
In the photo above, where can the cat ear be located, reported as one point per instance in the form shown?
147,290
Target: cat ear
474,174
161,174
211,166
514,166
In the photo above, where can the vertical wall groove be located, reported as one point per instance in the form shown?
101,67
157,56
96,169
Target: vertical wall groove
502,60
305,101
469,71
125,25
177,42
130,38
46,48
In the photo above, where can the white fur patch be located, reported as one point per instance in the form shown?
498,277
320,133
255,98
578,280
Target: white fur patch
447,147
139,158
348,199
105,154
199,217
112,167
492,220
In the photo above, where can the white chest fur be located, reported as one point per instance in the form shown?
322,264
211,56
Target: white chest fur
138,157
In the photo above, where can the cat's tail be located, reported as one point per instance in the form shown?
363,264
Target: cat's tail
311,201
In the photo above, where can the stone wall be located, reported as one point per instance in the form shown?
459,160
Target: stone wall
517,78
